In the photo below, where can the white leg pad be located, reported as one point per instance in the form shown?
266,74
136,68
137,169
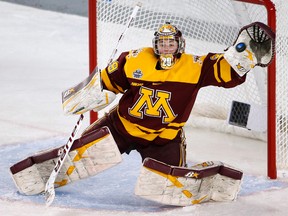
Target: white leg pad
180,186
86,158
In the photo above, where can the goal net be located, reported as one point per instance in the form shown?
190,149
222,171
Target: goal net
212,26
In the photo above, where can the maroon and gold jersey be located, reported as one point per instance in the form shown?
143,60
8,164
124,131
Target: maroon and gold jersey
157,103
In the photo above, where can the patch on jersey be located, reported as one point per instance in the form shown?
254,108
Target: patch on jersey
134,53
197,59
113,67
137,74
216,56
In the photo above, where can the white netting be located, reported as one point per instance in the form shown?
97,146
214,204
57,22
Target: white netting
282,83
208,26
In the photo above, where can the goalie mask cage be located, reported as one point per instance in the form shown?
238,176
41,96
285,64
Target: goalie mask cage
208,26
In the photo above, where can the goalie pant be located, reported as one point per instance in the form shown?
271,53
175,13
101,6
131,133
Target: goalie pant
172,152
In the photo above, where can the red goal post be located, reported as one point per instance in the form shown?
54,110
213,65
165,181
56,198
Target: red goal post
96,18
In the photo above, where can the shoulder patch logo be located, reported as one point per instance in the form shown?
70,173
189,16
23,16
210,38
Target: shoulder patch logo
137,74
197,59
134,53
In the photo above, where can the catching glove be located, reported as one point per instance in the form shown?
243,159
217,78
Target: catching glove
255,45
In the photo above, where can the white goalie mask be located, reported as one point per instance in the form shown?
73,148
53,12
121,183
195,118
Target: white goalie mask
168,44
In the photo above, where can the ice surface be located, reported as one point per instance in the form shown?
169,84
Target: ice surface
43,53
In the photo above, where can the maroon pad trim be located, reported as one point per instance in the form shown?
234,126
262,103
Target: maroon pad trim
202,173
54,153
157,165
231,173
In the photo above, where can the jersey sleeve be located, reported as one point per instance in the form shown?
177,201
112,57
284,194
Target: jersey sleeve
217,71
113,76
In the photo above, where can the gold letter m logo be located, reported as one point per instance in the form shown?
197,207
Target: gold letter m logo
145,105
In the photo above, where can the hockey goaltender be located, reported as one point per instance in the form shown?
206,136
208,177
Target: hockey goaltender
159,86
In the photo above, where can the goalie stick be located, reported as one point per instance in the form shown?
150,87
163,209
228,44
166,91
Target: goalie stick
49,187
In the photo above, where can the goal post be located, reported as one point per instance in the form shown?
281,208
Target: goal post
209,26
92,32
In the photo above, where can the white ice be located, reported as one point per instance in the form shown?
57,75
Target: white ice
43,53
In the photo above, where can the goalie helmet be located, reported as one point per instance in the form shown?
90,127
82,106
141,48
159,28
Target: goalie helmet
168,44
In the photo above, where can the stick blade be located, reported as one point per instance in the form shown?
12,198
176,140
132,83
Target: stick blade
49,194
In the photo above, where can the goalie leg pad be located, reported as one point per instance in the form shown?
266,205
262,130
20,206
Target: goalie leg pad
181,186
89,155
